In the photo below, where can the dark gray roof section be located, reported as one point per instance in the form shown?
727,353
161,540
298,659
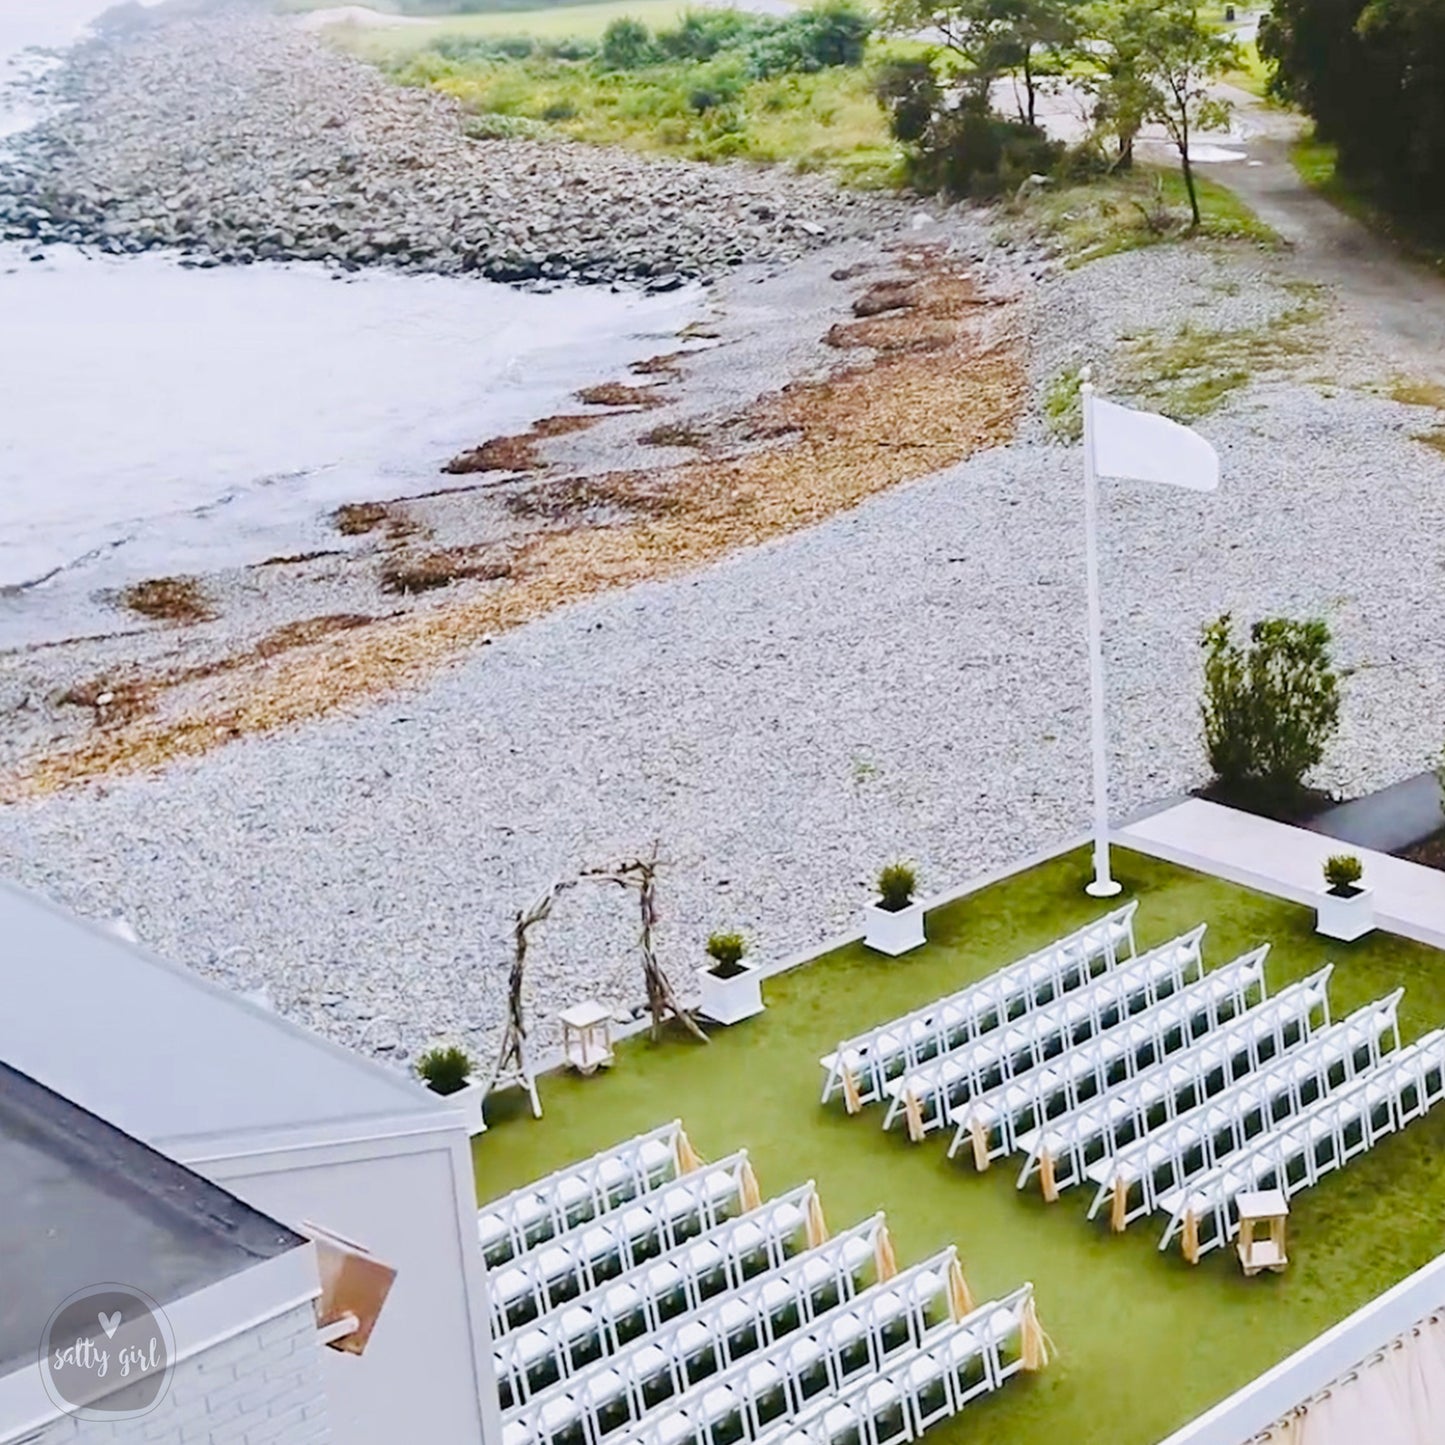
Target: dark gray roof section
163,1053
82,1204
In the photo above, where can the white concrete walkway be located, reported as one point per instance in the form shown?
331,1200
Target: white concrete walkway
1286,861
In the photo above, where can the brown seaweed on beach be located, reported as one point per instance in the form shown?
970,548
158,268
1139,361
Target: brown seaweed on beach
888,418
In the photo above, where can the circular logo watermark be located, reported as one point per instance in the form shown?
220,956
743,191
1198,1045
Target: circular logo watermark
107,1353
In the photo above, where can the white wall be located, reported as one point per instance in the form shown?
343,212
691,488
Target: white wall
248,1368
409,1197
262,1386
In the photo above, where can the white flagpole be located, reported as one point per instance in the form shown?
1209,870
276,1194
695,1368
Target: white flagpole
1103,885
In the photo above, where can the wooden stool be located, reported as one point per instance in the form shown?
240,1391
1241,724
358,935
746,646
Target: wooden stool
1264,1206
587,1037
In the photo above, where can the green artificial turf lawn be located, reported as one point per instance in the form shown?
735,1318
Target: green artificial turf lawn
1145,1342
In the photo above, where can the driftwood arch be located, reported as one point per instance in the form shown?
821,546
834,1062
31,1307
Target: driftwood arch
637,874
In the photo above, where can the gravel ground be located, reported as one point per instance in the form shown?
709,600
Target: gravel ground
907,678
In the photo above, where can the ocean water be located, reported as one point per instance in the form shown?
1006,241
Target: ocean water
159,419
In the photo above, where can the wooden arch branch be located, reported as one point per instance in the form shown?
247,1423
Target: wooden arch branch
637,873
641,874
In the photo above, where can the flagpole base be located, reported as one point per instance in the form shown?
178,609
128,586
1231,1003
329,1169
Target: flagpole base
1103,888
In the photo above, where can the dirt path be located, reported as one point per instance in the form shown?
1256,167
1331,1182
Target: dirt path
1401,302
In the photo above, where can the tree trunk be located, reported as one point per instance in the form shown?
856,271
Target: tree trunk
1188,167
1029,88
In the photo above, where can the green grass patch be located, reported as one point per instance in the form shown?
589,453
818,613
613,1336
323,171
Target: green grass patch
824,120
1063,407
1317,162
1253,73
1147,206
1190,372
1145,1341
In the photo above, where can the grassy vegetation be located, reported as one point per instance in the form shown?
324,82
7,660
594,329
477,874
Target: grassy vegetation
1190,372
1145,1342
1132,209
1253,74
1317,163
1410,392
828,119
395,44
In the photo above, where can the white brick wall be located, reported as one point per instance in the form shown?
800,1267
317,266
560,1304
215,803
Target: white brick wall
263,1387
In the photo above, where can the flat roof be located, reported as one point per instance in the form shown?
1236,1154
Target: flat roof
164,1054
82,1203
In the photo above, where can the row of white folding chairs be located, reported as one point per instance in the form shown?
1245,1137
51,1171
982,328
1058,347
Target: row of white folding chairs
619,1390
571,1264
1301,1151
921,1388
993,1121
639,1302
859,1067
921,1098
1073,1141
854,1341
525,1218
1193,1143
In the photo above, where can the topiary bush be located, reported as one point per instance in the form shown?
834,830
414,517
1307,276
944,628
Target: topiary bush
445,1069
1270,707
1343,872
727,951
896,882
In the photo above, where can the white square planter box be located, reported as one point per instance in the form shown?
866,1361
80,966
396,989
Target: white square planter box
1345,918
893,933
469,1099
730,1000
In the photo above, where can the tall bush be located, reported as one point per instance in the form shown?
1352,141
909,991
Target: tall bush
1270,707
960,147
626,45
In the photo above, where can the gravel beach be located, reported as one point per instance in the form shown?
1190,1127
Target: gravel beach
904,678
240,137
879,652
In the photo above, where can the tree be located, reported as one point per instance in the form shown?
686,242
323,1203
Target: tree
1177,57
1109,66
994,37
1269,708
1372,74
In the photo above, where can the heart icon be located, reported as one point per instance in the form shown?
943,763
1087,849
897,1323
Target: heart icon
109,1323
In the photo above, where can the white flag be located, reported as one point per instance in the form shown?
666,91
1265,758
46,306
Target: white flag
1145,447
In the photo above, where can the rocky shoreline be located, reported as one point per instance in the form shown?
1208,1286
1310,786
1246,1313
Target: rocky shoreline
237,137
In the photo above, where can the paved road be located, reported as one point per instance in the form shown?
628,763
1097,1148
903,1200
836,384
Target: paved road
1402,302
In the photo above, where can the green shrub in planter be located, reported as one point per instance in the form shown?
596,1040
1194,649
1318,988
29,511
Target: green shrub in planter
1343,872
896,882
1270,706
445,1069
727,951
